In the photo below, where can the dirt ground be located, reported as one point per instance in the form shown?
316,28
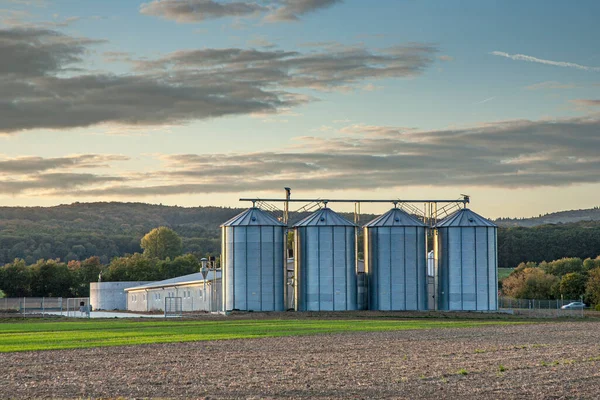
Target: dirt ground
549,360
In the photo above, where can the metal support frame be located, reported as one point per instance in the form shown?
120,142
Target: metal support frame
433,209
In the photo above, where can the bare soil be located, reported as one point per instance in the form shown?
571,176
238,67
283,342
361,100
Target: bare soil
549,360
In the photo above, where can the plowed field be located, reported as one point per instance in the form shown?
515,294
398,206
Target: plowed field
542,360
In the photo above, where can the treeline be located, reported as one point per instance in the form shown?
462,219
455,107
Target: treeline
162,259
567,278
53,278
548,242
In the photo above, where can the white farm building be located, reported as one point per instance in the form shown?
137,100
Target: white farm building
196,293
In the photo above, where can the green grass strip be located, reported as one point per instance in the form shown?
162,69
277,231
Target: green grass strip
33,336
503,273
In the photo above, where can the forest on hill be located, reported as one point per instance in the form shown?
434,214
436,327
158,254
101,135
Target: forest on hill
78,231
81,230
561,217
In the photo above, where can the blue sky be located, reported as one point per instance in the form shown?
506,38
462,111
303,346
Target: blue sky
200,102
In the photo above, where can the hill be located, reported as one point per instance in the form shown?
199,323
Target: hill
561,217
81,230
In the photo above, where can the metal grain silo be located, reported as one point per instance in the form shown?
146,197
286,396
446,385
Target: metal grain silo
395,262
325,263
466,262
253,248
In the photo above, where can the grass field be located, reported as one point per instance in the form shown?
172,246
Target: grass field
30,335
504,272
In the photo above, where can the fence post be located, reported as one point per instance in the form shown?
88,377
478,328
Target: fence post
43,307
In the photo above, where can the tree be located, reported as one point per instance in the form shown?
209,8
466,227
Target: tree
572,285
592,287
182,265
589,263
563,266
84,272
15,279
50,278
530,283
136,267
161,243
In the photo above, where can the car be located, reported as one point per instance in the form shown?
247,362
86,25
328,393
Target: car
573,305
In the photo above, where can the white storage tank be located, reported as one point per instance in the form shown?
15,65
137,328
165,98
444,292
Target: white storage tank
395,262
466,255
325,263
253,262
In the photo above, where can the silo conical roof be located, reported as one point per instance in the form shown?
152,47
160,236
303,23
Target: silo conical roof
394,217
464,217
253,217
324,217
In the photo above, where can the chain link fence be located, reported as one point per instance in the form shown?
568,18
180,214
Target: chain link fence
33,305
543,308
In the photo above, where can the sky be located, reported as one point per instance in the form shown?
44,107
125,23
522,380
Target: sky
202,102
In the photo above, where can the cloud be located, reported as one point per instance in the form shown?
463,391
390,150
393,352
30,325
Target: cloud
27,52
445,58
586,102
508,154
39,175
54,181
43,86
317,70
550,85
522,57
187,11
261,41
485,100
31,164
292,10
190,11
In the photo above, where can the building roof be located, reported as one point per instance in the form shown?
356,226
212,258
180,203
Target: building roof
464,218
253,217
394,217
196,277
324,217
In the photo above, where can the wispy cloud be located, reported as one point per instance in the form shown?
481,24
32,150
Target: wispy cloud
292,10
586,102
550,85
190,11
35,164
565,64
485,100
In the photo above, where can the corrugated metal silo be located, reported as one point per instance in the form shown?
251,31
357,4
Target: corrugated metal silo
325,263
466,262
395,262
253,248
